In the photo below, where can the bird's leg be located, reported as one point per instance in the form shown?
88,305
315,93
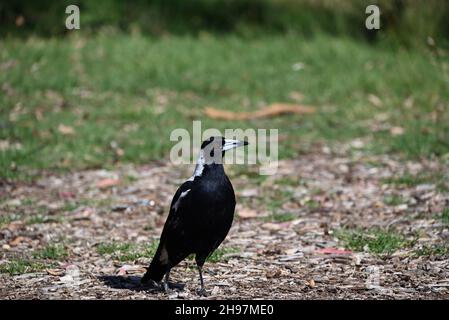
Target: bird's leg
167,275
201,291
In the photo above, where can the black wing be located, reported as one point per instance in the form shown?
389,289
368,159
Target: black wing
169,252
177,203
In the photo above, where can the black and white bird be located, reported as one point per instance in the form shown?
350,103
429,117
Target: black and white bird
201,214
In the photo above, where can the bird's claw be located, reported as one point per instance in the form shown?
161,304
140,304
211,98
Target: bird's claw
166,288
202,292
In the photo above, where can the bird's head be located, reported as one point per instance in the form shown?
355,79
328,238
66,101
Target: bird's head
214,148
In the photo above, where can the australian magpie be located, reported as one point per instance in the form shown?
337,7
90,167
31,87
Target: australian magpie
201,214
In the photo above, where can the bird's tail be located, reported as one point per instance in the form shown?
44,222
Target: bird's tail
156,270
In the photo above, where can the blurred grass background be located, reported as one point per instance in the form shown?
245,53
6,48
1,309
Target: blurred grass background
113,91
403,21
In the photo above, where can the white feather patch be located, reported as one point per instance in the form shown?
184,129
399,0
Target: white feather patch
178,202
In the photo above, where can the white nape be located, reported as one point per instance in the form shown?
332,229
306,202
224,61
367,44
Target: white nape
199,166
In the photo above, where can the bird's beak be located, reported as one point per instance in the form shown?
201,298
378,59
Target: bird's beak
231,144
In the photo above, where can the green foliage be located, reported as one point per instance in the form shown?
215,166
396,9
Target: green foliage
21,266
375,240
393,200
407,21
407,180
440,180
5,218
70,82
285,181
221,254
445,216
52,252
127,251
36,219
435,250
280,217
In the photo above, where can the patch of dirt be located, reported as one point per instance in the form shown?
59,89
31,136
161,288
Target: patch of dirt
296,259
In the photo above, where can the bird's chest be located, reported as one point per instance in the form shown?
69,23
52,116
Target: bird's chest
213,204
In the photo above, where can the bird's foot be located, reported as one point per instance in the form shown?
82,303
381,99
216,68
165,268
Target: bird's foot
165,287
177,286
202,292
169,287
149,284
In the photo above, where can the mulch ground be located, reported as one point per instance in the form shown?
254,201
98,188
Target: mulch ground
296,259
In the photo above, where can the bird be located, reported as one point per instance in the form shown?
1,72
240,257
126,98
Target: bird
200,217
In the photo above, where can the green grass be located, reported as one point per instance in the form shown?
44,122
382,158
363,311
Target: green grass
393,200
375,240
131,251
220,255
435,250
27,202
51,252
69,206
5,219
409,180
313,205
31,219
275,199
129,92
127,251
21,266
40,218
285,181
280,217
445,216
37,219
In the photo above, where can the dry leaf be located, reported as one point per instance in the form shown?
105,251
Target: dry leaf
357,144
311,283
271,226
66,194
66,130
18,240
246,213
55,272
397,131
121,271
298,66
20,21
291,251
106,183
249,192
272,110
273,273
297,96
6,145
38,113
129,269
119,152
333,251
375,100
215,291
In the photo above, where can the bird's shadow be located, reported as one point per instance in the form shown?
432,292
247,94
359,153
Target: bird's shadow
133,283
